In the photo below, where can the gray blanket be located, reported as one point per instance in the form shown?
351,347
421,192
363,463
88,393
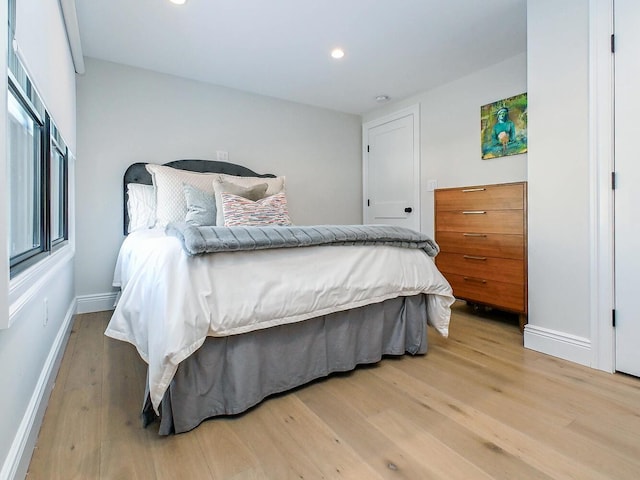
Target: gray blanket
199,240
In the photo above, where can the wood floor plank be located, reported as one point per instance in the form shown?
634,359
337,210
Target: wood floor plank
72,450
123,445
506,437
47,432
548,390
69,448
372,445
263,432
451,465
177,456
478,405
478,449
493,399
85,369
227,455
332,456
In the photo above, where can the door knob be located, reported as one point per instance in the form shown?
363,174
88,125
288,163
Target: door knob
408,210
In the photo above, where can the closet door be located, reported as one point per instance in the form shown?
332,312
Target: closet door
391,169
627,192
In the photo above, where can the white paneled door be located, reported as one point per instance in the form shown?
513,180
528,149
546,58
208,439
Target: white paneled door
627,192
392,170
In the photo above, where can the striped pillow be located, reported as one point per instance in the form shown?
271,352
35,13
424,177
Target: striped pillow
271,210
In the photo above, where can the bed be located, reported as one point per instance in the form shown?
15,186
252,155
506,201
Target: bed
222,326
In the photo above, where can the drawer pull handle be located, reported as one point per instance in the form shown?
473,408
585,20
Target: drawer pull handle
470,279
466,190
471,257
474,212
484,235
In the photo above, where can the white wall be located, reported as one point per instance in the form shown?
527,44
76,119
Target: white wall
128,115
29,349
38,22
450,131
559,177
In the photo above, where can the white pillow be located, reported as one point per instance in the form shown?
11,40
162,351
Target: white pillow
271,210
141,206
171,205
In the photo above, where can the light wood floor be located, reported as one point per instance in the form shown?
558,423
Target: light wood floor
477,406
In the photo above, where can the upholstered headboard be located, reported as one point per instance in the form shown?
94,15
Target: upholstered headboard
137,173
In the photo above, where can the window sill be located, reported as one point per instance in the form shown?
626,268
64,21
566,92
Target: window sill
25,285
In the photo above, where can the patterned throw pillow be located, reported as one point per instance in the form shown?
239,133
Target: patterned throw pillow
270,210
252,192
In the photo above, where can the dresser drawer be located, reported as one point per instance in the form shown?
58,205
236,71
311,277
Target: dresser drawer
490,292
481,221
490,197
505,270
487,244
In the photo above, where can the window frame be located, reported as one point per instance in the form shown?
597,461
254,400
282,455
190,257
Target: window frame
51,141
28,257
56,144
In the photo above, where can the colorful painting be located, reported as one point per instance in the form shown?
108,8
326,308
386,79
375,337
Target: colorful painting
503,127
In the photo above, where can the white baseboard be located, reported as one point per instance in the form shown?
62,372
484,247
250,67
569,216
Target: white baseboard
559,344
17,462
96,303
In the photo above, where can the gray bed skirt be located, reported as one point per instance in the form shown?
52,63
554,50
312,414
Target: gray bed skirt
229,375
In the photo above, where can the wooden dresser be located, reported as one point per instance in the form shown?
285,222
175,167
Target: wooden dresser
482,234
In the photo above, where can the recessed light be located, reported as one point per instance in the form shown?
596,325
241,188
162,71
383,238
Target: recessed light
382,98
178,2
337,53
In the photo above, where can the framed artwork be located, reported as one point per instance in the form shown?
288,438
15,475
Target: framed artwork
503,126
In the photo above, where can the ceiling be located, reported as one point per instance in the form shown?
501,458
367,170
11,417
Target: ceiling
281,48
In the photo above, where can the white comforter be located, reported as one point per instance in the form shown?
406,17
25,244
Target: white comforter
171,302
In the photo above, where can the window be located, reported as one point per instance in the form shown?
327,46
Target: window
25,134
38,177
58,188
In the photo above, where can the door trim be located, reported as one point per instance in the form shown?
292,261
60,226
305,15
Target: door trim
405,112
601,164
